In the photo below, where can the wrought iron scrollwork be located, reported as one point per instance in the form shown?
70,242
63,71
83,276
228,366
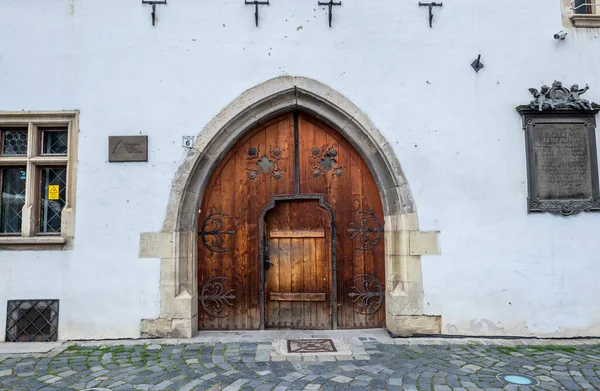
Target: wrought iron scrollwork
266,164
368,231
327,156
213,297
213,232
367,294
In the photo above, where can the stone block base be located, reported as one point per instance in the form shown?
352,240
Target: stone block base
408,326
169,328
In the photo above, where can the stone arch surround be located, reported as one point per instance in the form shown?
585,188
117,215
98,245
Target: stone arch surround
176,244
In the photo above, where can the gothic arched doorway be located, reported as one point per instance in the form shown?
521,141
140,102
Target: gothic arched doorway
291,233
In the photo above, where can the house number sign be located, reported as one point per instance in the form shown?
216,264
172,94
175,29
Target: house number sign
188,141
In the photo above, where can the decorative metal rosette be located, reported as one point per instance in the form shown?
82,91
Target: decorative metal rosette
253,153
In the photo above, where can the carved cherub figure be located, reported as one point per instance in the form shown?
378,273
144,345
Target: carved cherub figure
575,99
541,101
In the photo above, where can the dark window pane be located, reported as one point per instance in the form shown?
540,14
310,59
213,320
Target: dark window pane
581,8
14,141
54,141
13,199
54,180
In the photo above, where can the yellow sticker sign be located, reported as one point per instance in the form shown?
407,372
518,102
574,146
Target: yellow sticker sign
53,191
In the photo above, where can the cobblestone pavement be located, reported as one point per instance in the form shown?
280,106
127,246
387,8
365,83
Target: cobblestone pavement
367,364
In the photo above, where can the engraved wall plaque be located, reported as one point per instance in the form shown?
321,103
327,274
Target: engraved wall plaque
562,161
127,149
562,166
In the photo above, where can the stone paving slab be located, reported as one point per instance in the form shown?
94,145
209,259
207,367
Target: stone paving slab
27,347
375,362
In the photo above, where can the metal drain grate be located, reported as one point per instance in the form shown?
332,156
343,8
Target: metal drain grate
310,346
32,321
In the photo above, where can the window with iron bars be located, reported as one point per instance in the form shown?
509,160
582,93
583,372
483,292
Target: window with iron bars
36,174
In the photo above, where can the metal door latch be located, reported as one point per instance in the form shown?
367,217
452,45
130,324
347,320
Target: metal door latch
268,263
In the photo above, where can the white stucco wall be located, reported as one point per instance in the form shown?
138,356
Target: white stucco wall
455,132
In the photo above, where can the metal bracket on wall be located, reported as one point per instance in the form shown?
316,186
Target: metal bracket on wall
256,4
430,5
330,4
153,3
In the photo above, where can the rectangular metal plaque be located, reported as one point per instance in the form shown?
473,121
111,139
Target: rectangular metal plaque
562,166
562,162
128,149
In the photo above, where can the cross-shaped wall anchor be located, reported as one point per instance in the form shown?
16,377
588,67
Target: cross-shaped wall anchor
256,4
430,5
330,3
153,3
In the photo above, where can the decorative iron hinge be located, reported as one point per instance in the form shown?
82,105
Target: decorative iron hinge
213,297
367,294
369,231
212,232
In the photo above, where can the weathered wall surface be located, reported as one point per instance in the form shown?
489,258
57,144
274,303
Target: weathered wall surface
455,132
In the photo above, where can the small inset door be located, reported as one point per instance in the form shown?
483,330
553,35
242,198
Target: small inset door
298,270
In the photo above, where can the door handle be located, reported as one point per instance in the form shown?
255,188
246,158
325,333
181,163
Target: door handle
268,263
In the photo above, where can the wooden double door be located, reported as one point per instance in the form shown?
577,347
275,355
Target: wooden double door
291,233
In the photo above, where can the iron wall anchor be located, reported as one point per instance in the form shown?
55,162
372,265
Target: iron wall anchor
477,64
153,3
330,4
430,5
256,4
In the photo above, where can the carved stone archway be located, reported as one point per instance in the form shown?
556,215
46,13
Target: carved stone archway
176,244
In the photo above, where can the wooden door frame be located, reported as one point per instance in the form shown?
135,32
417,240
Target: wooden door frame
176,243
261,249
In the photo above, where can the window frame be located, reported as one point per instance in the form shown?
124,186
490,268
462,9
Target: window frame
36,122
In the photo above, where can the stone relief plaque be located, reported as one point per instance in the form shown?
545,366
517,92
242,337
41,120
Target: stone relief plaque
562,165
127,149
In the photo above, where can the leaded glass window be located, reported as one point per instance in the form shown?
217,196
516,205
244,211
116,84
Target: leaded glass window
14,141
13,199
54,181
54,141
37,168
